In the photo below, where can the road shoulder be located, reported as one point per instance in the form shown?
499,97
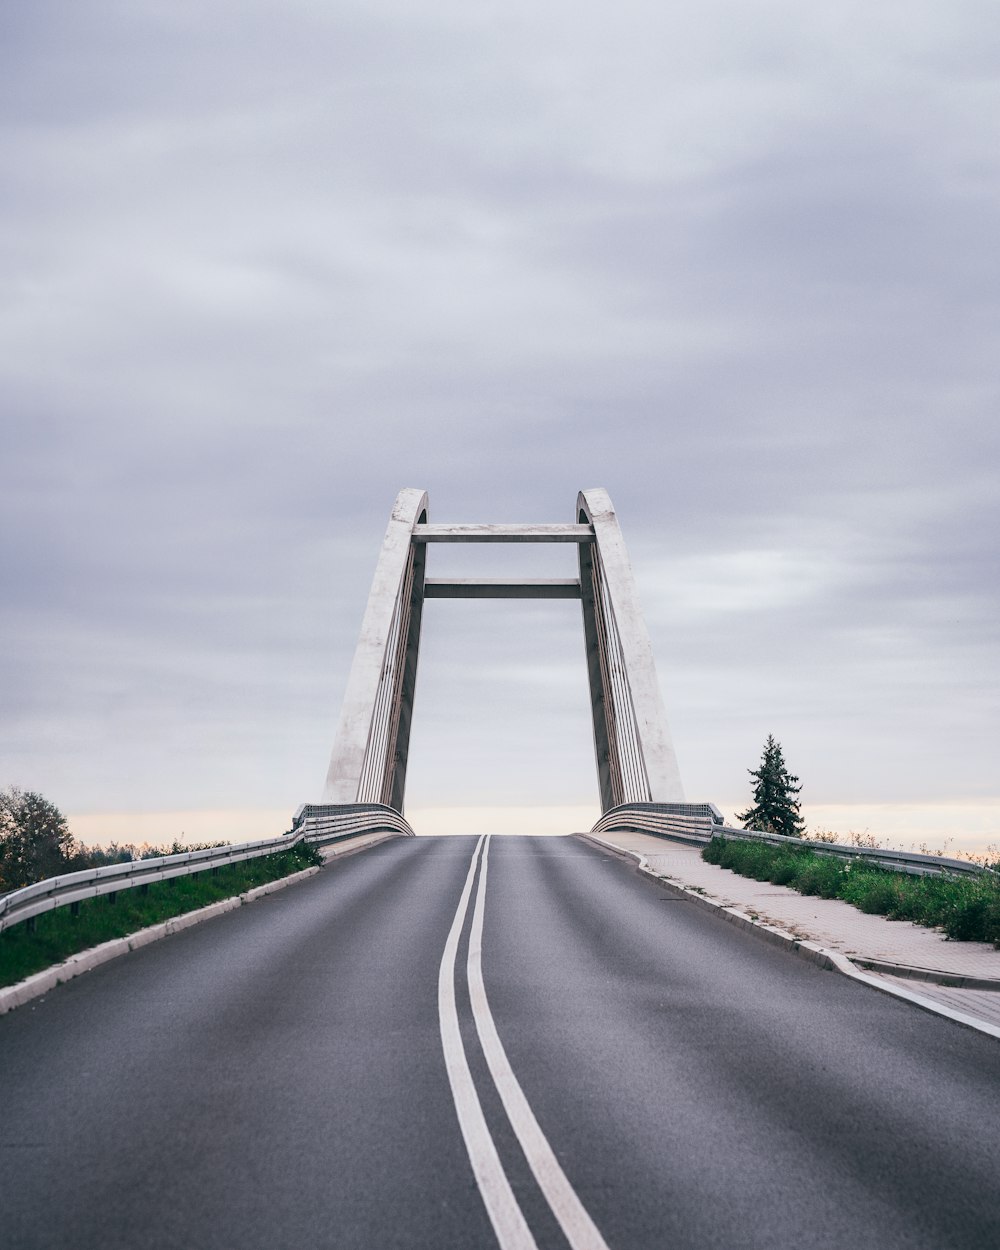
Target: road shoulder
960,981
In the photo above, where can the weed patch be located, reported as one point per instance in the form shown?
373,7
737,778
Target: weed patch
966,908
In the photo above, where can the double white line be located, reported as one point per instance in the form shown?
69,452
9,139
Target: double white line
508,1221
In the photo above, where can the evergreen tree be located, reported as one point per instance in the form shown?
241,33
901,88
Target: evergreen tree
775,805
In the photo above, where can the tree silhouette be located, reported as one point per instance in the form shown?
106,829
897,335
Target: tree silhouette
35,841
775,805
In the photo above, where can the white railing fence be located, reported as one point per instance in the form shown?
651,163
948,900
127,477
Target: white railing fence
314,824
700,822
917,863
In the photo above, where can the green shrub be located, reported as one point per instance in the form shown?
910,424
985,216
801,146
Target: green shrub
991,922
966,908
965,920
874,892
819,874
784,870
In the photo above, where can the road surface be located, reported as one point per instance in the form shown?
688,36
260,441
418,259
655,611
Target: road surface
407,1051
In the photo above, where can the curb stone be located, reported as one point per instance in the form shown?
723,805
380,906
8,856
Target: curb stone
337,850
932,976
830,960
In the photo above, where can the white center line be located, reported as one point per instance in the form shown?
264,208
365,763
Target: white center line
577,1226
501,1206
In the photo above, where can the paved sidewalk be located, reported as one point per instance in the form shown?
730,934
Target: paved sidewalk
836,926
981,1004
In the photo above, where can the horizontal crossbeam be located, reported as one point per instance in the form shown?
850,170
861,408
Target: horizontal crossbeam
489,588
516,533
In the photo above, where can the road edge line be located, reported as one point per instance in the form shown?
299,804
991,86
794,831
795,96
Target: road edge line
823,957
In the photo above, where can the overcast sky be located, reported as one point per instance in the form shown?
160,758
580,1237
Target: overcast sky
263,264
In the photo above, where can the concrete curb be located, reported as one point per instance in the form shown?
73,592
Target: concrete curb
333,851
932,976
83,961
830,960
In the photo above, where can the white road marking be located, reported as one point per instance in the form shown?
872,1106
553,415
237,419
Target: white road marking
578,1228
505,1215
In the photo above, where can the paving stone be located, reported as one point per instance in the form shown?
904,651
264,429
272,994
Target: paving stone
981,1004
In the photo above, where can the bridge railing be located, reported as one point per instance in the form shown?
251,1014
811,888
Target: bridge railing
324,822
316,825
688,822
917,863
700,822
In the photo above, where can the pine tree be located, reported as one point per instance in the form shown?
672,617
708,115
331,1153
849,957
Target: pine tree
775,805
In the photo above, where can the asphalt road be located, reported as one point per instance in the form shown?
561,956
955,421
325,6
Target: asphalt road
325,1068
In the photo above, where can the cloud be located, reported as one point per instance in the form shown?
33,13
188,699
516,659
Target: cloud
266,265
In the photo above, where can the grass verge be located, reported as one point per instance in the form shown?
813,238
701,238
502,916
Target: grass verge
58,934
966,908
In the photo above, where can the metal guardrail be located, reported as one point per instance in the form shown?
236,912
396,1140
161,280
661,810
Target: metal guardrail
322,822
700,822
689,822
313,824
914,862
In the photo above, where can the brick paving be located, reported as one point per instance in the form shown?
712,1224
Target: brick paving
980,1004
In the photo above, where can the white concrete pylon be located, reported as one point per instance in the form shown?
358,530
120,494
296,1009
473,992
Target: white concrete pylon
635,757
368,761
636,762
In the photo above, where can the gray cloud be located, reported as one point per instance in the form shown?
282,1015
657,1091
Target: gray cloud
266,264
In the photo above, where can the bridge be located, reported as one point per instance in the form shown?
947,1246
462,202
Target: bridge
517,1042
637,774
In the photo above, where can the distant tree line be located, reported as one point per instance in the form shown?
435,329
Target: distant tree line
35,843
